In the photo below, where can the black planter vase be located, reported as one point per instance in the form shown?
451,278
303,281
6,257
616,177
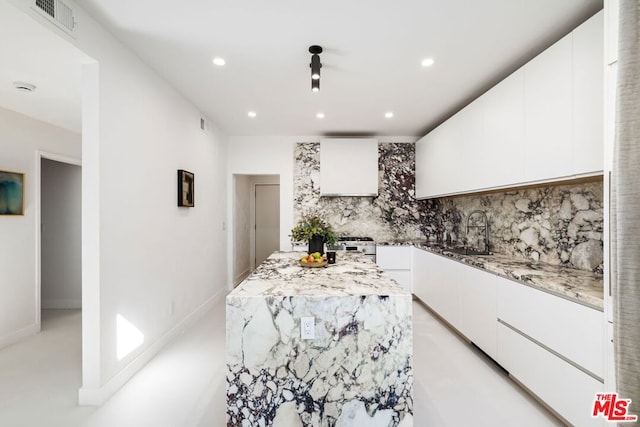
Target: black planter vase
316,244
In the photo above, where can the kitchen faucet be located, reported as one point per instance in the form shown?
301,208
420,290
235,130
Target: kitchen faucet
485,224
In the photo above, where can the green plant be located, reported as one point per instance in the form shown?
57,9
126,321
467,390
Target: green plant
313,225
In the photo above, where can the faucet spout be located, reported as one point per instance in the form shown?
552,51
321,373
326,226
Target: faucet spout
483,224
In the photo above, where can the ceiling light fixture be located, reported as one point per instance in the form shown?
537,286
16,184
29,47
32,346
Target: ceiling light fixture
252,114
427,62
320,115
388,114
24,86
219,62
315,67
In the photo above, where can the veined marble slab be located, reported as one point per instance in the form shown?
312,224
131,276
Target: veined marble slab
583,287
356,372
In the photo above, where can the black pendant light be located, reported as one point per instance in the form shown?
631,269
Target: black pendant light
315,67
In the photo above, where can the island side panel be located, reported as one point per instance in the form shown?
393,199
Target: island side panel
360,362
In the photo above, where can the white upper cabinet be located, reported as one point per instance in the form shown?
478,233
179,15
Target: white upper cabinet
503,132
544,122
547,113
338,177
588,96
469,149
457,140
424,175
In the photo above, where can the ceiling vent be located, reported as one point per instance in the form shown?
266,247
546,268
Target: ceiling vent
58,12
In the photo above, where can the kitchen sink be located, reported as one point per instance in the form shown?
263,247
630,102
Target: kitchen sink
466,251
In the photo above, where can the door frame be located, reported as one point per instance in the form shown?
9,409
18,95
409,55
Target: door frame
38,190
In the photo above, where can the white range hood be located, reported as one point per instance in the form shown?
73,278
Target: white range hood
349,167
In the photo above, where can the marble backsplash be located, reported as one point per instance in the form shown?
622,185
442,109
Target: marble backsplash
556,224
394,214
559,225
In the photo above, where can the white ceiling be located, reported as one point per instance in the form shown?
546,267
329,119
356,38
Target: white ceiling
33,54
371,59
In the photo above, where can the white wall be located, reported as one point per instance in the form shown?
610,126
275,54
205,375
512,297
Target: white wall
144,258
20,139
241,221
265,155
61,277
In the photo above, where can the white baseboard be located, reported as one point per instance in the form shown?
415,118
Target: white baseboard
97,396
18,335
61,304
240,277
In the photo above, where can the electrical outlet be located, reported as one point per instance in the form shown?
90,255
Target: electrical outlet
307,328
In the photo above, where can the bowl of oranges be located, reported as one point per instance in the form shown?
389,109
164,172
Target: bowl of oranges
313,260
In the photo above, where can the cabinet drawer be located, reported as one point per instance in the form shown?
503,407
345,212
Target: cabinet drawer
570,329
394,257
562,386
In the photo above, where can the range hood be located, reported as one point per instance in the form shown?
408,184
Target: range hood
349,167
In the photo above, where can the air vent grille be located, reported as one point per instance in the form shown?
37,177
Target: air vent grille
64,15
48,6
61,13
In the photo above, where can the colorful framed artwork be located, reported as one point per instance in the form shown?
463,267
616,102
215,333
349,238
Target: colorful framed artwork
185,188
11,193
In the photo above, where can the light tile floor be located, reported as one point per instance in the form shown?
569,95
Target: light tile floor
184,385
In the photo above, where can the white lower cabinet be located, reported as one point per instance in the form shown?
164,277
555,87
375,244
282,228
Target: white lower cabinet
554,347
464,296
396,261
565,388
478,294
570,329
436,282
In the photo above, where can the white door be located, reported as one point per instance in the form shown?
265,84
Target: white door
267,221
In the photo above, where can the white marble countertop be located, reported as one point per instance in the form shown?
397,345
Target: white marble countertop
353,274
580,286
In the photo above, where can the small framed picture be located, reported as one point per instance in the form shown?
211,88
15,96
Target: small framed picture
185,188
11,193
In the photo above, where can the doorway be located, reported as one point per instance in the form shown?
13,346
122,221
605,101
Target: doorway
60,234
267,221
256,221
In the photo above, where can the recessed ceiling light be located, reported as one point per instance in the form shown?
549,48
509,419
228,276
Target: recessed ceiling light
219,61
320,115
24,86
427,62
252,114
388,114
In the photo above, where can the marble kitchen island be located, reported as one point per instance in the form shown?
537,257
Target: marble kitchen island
356,372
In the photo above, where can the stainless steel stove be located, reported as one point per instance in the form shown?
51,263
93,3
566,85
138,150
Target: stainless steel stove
362,244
